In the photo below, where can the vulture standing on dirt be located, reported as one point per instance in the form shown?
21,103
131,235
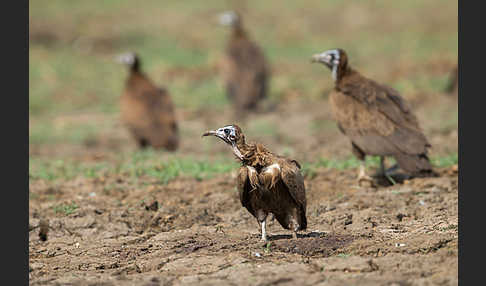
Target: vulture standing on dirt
376,118
267,183
244,69
146,109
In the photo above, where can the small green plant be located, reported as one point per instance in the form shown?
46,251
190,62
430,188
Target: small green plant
66,209
267,247
343,255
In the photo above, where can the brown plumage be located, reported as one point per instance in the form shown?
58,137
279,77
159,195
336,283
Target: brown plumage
147,110
243,68
376,118
267,183
453,86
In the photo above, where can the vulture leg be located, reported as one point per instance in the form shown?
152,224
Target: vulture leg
382,166
264,230
362,177
271,217
384,172
294,226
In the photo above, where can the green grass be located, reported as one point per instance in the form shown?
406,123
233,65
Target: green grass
310,169
65,209
445,161
140,164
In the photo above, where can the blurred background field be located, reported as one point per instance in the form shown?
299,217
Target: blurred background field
74,83
118,215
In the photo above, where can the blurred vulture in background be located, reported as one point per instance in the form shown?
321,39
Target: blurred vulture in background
267,183
244,69
146,109
453,86
376,118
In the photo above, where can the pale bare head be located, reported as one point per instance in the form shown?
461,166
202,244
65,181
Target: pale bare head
334,59
229,18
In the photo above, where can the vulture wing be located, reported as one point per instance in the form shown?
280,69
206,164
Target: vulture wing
293,179
149,113
246,182
380,121
245,72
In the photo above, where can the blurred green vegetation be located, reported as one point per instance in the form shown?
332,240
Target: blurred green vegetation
72,45
146,164
138,164
72,71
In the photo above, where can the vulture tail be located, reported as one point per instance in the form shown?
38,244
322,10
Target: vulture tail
417,165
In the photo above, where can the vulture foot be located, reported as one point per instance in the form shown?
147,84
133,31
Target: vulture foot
363,179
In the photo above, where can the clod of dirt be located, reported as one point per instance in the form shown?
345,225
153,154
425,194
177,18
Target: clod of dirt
349,219
43,229
154,206
400,216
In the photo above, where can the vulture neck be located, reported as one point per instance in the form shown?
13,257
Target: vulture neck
238,31
135,67
138,81
254,155
340,73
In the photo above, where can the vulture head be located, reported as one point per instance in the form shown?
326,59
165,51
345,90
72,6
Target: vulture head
231,135
336,60
130,59
230,18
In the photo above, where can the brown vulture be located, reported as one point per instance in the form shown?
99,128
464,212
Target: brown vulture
243,67
267,183
146,109
376,118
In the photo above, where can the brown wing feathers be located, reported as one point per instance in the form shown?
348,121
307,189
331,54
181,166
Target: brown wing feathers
244,70
148,112
268,183
379,121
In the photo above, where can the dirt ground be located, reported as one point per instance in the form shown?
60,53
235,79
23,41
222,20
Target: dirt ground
195,232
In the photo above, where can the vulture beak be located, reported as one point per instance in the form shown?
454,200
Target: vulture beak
218,133
210,132
321,58
126,58
118,59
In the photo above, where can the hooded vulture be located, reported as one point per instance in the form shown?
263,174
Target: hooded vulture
243,67
146,109
376,118
267,183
